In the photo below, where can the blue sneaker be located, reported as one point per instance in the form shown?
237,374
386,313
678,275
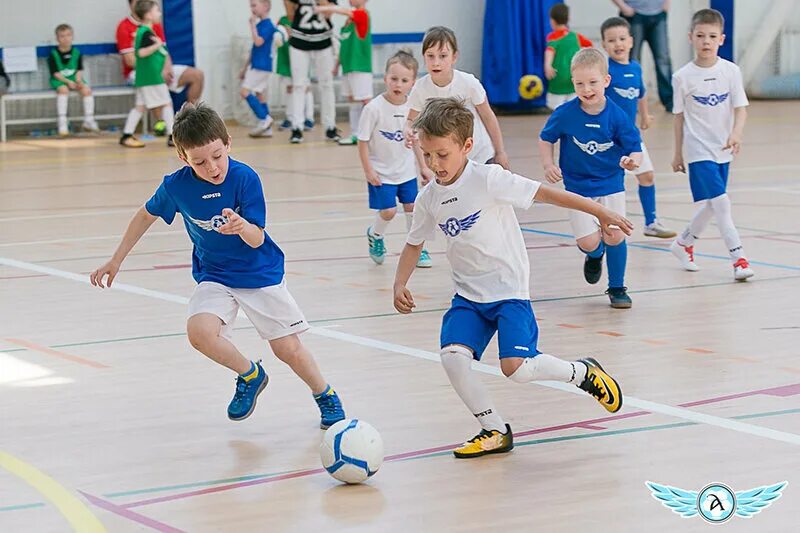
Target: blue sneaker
330,408
377,251
424,260
308,124
619,297
244,400
285,125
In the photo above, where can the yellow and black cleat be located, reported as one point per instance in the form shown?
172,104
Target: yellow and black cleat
486,442
603,387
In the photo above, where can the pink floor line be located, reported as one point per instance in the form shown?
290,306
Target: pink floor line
131,515
784,391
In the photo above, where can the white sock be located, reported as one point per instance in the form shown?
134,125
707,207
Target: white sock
132,121
168,116
355,116
88,108
61,104
380,225
722,212
310,105
457,362
544,366
409,220
698,223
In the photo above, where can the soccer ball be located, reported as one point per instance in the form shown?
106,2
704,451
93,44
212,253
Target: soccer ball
530,86
351,451
160,128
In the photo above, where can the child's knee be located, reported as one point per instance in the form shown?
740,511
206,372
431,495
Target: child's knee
589,243
646,179
288,349
388,214
86,91
244,93
614,237
62,89
510,365
454,356
408,208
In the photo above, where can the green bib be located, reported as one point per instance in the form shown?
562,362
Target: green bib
566,48
282,66
356,53
69,69
148,69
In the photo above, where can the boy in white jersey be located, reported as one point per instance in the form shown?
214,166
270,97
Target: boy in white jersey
388,164
473,205
440,51
710,108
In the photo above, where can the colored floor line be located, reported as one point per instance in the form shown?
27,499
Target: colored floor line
70,507
55,353
130,515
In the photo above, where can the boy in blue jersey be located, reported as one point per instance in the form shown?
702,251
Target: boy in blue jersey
234,261
598,143
628,92
257,71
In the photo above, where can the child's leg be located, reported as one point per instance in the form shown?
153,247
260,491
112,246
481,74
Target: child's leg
309,106
62,97
616,258
457,363
382,219
132,121
291,351
300,63
594,248
647,196
408,211
204,332
699,221
255,103
721,205
168,116
88,105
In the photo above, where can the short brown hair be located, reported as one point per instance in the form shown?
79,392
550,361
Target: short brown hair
560,13
589,57
197,125
708,16
440,35
143,7
63,27
405,58
614,22
442,117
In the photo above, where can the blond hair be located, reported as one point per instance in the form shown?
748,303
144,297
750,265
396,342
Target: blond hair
443,117
590,58
405,58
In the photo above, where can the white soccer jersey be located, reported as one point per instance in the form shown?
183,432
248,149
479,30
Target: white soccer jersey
485,247
707,97
464,86
382,125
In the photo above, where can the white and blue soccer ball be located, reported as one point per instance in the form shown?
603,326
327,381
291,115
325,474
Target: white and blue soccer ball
351,451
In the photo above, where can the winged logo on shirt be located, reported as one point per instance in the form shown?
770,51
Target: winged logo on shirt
453,226
631,93
593,147
393,135
214,224
712,99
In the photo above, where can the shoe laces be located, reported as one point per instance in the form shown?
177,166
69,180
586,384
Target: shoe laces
483,435
690,252
424,255
616,291
378,247
741,263
591,385
328,404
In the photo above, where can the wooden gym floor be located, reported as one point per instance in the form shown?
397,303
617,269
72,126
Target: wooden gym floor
110,420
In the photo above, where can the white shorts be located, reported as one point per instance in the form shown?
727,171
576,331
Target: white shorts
555,100
647,163
256,81
272,310
177,72
357,85
152,96
584,224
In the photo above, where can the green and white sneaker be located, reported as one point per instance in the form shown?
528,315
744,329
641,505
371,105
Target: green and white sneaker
424,259
348,141
377,250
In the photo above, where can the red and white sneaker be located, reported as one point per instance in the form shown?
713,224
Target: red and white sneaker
742,270
685,255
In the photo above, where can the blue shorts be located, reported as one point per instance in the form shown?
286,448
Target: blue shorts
708,179
474,324
386,196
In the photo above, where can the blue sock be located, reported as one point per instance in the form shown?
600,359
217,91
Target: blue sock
616,259
597,253
647,195
258,107
178,99
323,393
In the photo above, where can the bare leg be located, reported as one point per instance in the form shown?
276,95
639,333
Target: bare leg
204,335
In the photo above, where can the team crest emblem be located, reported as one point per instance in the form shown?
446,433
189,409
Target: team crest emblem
631,93
393,135
712,99
453,226
214,224
593,147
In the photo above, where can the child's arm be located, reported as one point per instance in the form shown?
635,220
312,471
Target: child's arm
369,171
677,159
493,128
257,39
149,50
408,133
735,138
631,161
137,227
236,225
551,171
425,172
562,198
644,114
331,9
403,300
549,71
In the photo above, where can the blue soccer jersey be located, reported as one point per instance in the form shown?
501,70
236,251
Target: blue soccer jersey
261,56
225,259
627,87
592,146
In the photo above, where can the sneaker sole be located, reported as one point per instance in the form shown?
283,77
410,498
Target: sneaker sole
668,235
425,265
594,362
744,278
621,305
255,400
322,425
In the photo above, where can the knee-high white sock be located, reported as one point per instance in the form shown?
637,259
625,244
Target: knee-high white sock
457,362
545,366
168,116
380,225
409,220
132,121
88,107
61,104
355,116
722,213
309,104
698,223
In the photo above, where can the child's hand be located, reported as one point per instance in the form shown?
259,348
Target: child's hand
72,85
734,143
609,220
157,40
646,120
549,72
254,20
109,269
235,224
501,159
373,179
427,176
167,75
403,301
410,137
677,164
553,174
628,163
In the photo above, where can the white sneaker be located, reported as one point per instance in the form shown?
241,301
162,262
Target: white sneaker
685,255
262,127
656,229
742,270
91,126
63,128
258,132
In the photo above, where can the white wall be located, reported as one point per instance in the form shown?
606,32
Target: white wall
32,22
784,55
